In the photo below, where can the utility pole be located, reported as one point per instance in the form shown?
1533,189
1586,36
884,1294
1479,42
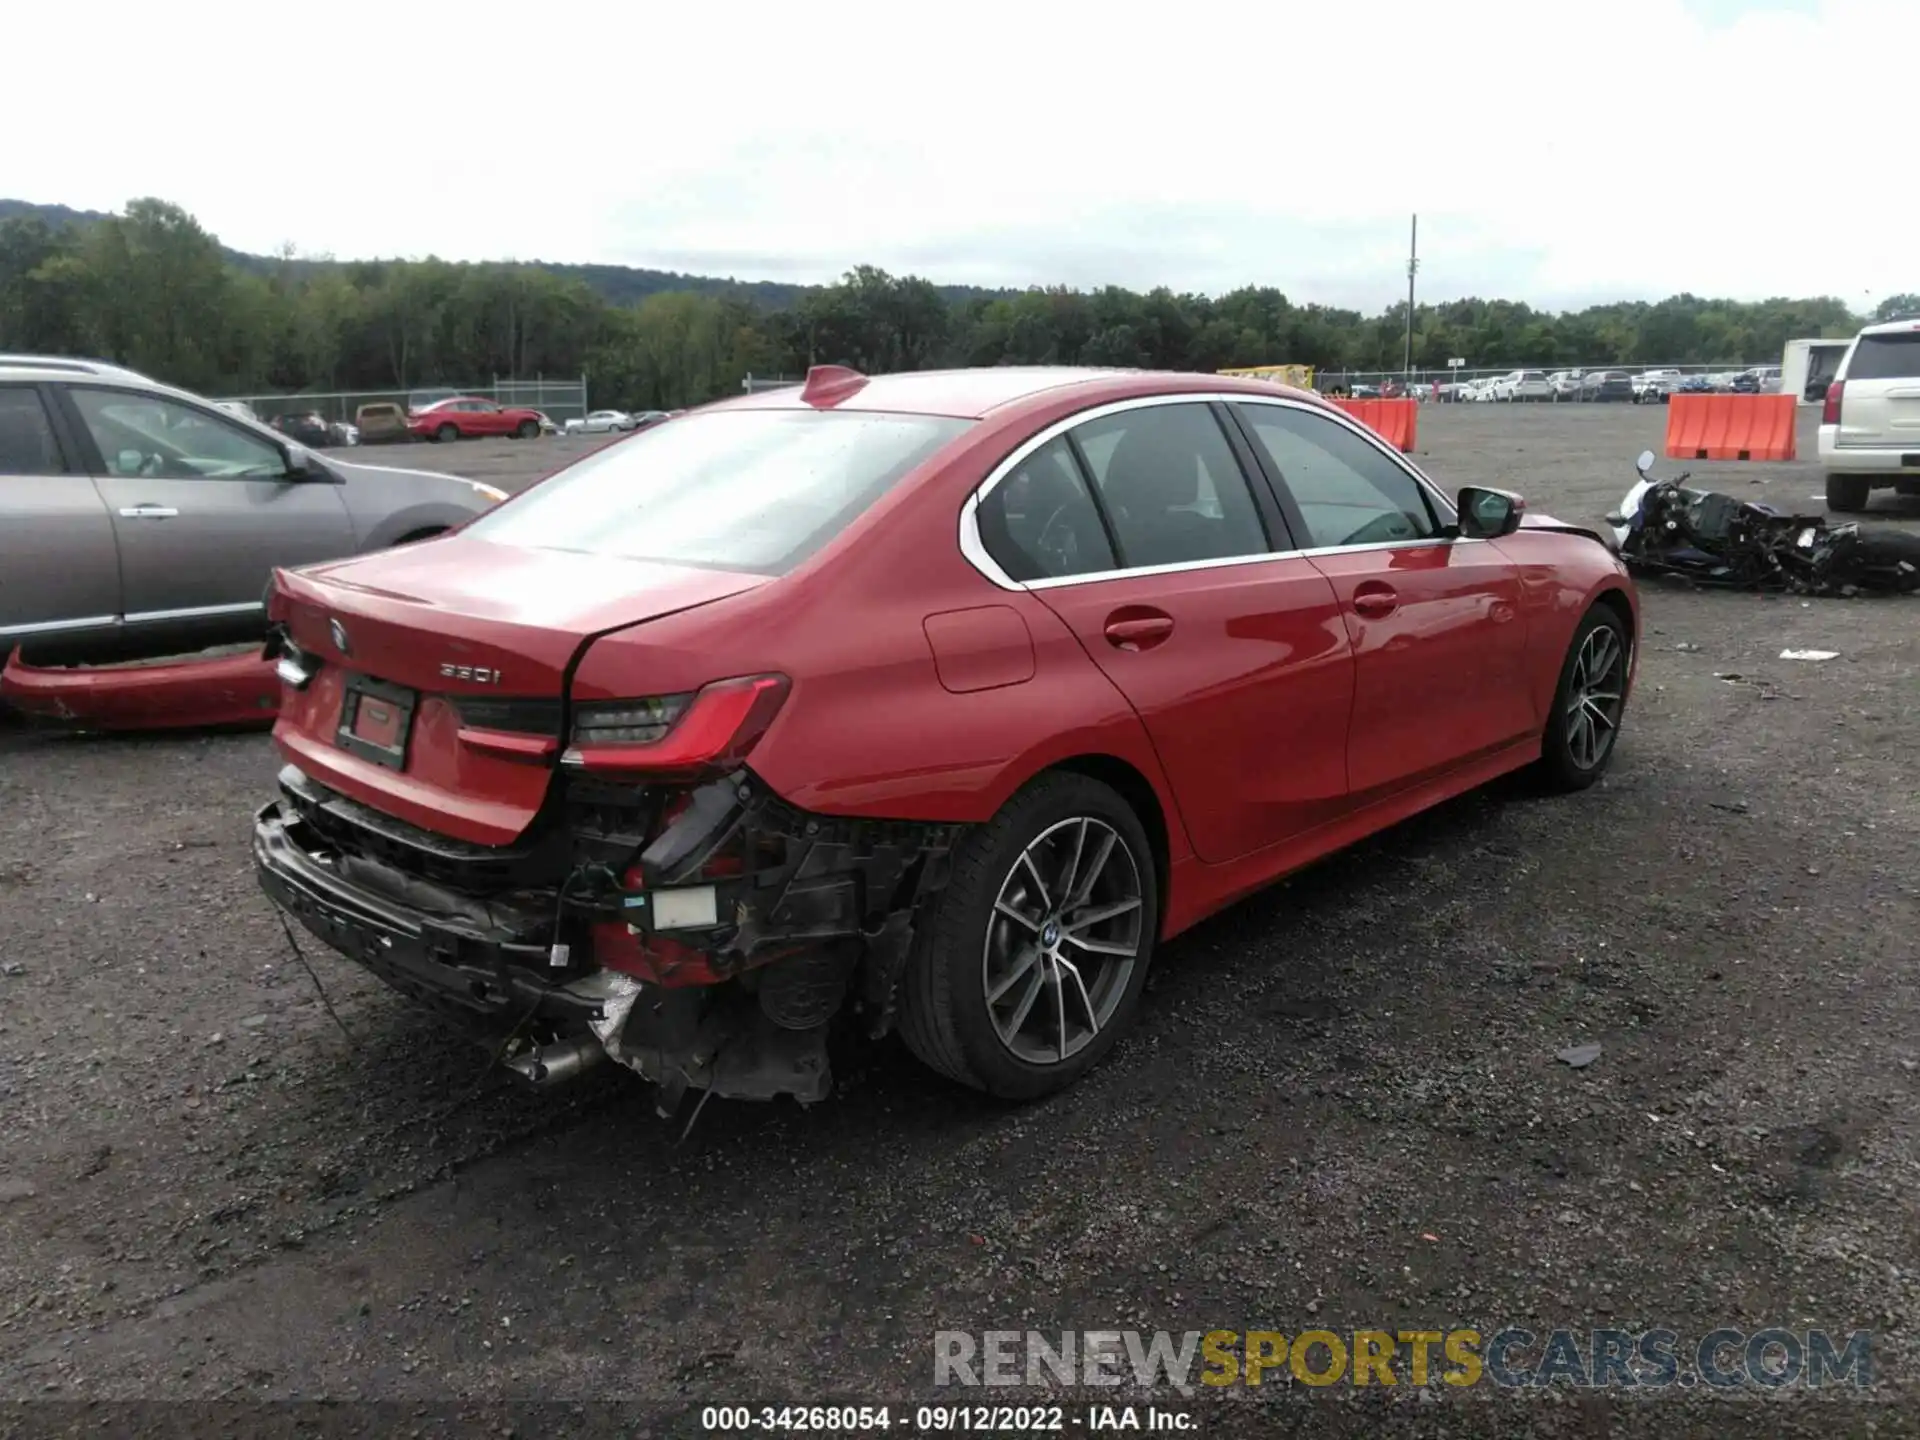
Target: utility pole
1413,265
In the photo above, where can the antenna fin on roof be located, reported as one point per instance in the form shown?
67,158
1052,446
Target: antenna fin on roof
830,384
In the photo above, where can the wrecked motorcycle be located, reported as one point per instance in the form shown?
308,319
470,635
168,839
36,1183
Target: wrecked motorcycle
1666,528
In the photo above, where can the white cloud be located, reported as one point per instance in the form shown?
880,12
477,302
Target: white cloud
1556,153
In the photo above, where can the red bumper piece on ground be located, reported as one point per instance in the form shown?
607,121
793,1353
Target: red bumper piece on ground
222,690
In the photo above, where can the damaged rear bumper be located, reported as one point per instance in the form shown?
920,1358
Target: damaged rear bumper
693,973
481,977
199,693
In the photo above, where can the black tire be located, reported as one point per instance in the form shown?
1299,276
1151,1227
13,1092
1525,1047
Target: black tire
1848,494
528,429
944,1009
447,434
1561,768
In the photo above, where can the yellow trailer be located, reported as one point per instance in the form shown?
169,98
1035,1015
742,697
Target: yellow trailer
1297,375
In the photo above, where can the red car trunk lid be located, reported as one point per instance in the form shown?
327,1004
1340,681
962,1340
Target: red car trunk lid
404,636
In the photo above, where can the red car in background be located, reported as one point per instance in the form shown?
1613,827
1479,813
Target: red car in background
467,417
938,699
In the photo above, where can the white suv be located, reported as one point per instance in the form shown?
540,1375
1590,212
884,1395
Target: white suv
1523,385
1870,428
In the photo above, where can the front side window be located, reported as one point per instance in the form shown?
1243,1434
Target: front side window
145,435
1349,493
1040,522
1170,486
751,490
27,444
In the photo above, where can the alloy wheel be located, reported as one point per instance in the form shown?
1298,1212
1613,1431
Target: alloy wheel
1596,690
1063,940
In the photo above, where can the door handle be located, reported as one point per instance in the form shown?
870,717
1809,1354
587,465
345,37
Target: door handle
1375,600
148,512
1138,632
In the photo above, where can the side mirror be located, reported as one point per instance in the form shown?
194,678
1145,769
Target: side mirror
129,462
299,462
1644,463
1489,514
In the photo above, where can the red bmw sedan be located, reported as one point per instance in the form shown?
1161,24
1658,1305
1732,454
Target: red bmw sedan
935,701
466,417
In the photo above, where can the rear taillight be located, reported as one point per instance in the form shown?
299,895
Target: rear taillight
715,726
1830,412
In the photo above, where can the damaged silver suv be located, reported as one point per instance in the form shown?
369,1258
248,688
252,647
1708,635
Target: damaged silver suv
138,520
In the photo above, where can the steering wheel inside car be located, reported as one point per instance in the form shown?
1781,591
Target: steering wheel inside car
1062,552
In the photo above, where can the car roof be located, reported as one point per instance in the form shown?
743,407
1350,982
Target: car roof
1893,327
977,393
65,367
58,368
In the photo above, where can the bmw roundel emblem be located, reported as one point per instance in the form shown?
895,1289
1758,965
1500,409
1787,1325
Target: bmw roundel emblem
339,634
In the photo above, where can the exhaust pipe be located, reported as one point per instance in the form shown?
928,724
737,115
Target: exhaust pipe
557,1063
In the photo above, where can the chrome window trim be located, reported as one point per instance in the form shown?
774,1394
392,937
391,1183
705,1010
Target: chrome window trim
51,627
196,612
973,548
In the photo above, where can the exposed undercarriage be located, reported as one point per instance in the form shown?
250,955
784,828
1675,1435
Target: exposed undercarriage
704,935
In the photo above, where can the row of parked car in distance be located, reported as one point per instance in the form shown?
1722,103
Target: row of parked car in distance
450,418
1646,387
457,417
607,422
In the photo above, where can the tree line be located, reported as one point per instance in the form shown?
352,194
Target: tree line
151,289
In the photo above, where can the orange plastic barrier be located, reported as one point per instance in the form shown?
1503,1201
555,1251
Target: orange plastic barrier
1395,421
1730,427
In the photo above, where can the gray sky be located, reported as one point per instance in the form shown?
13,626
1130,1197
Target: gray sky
1557,154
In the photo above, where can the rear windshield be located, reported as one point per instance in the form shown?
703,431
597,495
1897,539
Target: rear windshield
1886,357
752,490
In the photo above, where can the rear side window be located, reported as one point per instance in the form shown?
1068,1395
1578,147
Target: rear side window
1886,357
1040,522
751,490
1171,486
27,444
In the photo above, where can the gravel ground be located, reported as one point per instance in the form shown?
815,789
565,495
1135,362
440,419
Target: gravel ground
1342,1107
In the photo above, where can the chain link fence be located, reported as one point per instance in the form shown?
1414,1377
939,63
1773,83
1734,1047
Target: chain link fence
1461,383
558,400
